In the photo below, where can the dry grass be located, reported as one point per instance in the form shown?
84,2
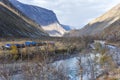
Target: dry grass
113,75
63,46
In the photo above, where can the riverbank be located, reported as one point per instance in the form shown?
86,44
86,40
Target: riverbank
117,43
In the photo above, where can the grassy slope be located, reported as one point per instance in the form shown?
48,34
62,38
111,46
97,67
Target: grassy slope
110,21
13,25
113,30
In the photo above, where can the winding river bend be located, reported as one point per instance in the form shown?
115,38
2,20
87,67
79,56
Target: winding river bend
81,67
90,69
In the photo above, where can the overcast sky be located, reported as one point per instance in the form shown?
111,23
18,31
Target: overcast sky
76,13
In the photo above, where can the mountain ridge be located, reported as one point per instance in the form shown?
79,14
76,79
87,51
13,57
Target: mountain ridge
43,17
14,24
100,24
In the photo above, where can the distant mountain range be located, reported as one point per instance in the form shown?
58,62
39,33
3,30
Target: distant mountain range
66,27
44,17
104,26
13,23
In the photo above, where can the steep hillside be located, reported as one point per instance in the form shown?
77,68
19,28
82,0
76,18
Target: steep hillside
54,30
14,24
108,20
112,32
72,33
44,17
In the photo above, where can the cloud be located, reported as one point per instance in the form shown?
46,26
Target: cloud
75,12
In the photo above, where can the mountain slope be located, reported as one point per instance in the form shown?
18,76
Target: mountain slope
66,27
101,24
14,24
46,18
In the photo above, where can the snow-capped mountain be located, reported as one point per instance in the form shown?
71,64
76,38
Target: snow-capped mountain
44,17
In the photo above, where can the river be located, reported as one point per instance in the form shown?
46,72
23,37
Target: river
83,66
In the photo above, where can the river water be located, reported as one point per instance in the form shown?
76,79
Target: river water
84,66
88,62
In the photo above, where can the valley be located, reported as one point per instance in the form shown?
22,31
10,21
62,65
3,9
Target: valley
34,45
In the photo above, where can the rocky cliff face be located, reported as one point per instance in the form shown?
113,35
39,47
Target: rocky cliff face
101,24
15,24
44,17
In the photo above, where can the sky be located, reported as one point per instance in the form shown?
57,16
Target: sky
75,13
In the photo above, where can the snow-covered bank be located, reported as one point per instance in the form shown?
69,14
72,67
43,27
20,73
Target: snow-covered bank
84,65
71,67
